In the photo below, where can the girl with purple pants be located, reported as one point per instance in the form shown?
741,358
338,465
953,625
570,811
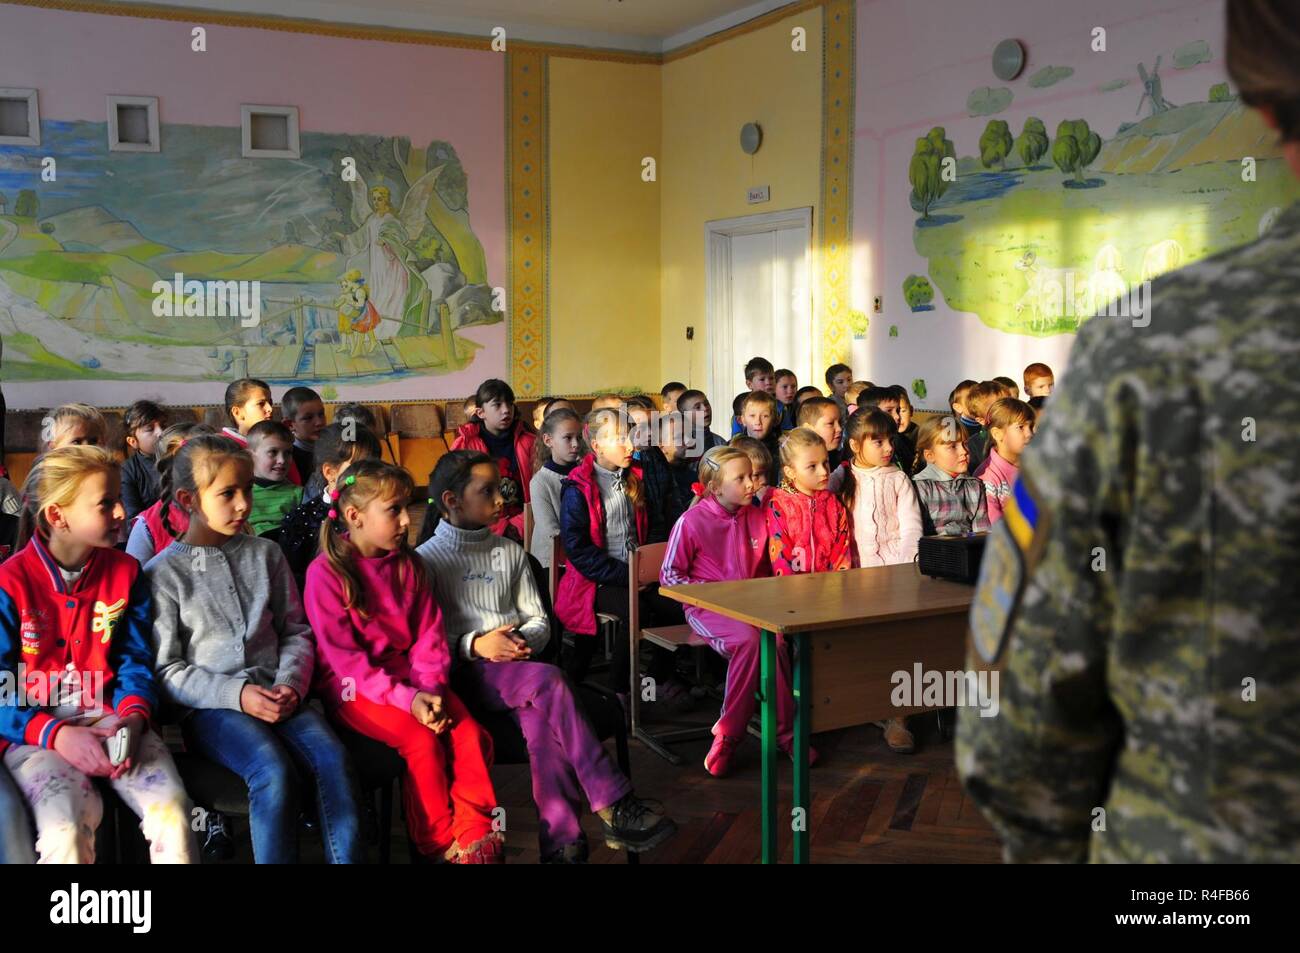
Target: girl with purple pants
496,623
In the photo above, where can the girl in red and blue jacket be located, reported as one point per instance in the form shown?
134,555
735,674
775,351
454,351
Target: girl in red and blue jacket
808,527
720,539
75,615
501,433
603,516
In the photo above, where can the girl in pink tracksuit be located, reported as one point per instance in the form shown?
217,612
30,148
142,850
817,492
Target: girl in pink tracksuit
807,525
724,538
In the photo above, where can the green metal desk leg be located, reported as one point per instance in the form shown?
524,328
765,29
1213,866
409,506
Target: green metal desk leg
767,696
802,728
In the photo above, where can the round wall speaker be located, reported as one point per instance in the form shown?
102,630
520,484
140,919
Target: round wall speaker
751,137
1008,59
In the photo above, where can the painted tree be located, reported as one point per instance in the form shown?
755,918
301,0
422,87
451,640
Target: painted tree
1032,143
1076,146
27,204
995,144
926,171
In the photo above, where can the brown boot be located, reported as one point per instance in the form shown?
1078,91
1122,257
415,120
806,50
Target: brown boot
897,736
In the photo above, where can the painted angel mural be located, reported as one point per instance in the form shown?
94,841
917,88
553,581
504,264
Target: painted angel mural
381,248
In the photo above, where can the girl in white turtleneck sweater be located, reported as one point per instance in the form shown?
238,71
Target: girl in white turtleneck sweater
882,505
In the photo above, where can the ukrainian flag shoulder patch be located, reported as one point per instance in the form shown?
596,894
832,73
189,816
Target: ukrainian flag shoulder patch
1010,554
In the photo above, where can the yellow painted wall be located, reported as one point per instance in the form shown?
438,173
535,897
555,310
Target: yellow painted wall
604,265
704,175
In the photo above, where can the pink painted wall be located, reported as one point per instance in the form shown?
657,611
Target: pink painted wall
339,85
916,64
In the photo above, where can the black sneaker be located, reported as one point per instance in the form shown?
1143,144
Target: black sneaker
218,845
635,825
575,853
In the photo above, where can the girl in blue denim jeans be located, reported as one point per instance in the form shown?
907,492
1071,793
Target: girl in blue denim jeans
235,654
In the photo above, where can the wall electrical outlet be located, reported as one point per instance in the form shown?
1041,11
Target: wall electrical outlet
690,333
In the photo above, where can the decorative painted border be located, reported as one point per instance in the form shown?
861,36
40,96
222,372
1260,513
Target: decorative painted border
835,228
528,215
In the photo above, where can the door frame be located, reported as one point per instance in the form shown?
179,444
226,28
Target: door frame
717,284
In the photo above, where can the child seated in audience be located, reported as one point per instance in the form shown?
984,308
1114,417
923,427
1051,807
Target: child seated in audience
808,527
886,401
554,456
74,626
854,392
303,412
607,402
1011,427
1039,380
351,416
737,409
683,462
75,425
274,497
952,501
957,401
722,539
603,516
760,375
906,425
498,432
340,445
670,392
978,401
544,407
663,504
883,512
142,425
248,402
159,525
470,407
234,655
802,394
760,415
787,386
760,466
497,624
383,664
838,379
876,493
697,418
821,415
1010,388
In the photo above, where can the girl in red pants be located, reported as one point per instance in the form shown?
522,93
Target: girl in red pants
383,664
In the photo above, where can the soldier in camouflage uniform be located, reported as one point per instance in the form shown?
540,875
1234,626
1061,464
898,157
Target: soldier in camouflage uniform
1142,596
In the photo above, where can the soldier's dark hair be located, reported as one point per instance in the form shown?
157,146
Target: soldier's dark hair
1262,53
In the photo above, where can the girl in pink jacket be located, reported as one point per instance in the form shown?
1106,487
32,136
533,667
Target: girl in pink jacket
808,527
720,539
1011,427
878,496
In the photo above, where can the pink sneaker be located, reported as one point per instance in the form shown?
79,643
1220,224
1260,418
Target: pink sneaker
718,761
788,751
490,849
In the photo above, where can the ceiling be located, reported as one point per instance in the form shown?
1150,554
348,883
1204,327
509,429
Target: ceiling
648,26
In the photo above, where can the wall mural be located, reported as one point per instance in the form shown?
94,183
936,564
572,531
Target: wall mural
193,265
1035,229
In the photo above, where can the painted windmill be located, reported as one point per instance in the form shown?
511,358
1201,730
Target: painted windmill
1151,88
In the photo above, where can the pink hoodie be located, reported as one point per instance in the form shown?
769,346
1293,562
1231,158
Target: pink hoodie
999,477
398,649
710,544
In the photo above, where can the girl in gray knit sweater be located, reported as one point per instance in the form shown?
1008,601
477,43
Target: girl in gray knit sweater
558,452
234,656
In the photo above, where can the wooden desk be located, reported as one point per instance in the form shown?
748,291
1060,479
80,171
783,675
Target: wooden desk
867,624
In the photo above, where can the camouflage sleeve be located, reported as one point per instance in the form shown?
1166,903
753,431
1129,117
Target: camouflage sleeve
1038,762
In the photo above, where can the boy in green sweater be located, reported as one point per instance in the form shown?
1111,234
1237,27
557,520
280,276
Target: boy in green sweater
271,444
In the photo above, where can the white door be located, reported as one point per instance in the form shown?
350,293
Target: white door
759,300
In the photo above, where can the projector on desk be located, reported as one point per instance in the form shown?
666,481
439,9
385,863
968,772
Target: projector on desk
952,557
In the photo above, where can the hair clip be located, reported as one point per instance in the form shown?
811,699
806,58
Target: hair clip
349,480
698,489
333,514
